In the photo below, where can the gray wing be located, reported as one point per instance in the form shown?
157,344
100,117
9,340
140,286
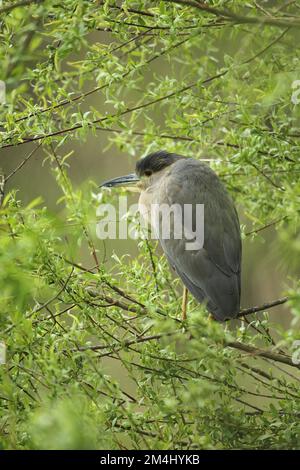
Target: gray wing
212,273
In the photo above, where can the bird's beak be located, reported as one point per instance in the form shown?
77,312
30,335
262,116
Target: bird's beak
121,181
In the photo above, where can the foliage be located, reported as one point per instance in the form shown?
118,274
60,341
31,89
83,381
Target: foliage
98,357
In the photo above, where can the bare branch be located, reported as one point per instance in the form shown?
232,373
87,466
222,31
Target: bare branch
22,163
260,308
259,229
254,351
21,3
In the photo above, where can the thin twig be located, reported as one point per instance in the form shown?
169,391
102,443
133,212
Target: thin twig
54,297
259,229
22,163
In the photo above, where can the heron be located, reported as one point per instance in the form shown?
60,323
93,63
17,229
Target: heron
212,272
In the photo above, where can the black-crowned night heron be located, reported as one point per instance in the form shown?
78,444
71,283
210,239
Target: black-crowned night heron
212,273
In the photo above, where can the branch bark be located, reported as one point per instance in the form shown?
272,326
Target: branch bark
260,308
254,351
21,3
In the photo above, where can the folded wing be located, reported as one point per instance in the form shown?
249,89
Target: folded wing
212,273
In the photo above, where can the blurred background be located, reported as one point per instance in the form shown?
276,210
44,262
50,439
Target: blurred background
89,48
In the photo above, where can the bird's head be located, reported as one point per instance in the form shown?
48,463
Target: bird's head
147,170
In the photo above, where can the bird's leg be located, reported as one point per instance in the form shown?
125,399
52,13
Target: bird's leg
184,303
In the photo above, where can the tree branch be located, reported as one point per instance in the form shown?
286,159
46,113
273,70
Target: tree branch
21,3
23,162
270,224
239,19
274,303
254,351
123,113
